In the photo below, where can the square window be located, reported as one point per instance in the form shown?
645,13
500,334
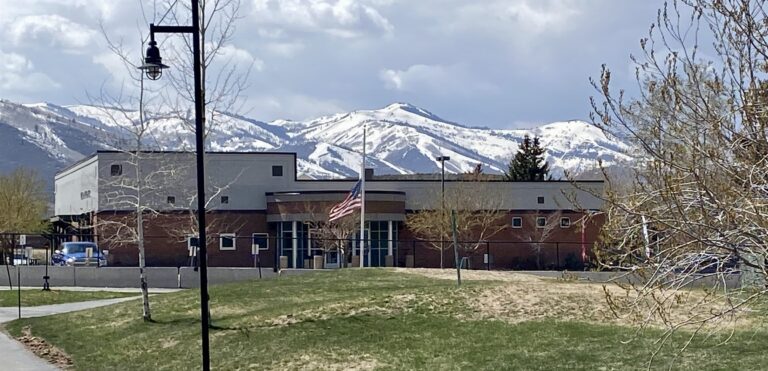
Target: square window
540,200
260,241
541,222
116,170
565,222
224,200
227,241
517,222
277,170
171,200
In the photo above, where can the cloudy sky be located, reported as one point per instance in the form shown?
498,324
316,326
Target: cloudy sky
496,63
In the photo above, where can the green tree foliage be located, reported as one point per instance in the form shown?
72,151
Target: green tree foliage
529,164
23,203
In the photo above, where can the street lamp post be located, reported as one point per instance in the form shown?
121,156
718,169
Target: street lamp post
153,67
442,160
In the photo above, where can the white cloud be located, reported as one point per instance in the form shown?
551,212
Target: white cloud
234,55
453,79
58,30
17,74
339,18
284,49
519,20
290,106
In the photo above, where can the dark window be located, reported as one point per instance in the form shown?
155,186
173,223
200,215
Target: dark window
541,222
517,222
277,170
224,200
261,240
171,200
116,170
565,222
227,241
540,199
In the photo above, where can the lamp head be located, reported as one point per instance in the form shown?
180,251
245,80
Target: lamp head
153,63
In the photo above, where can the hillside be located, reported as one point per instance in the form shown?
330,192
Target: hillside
401,139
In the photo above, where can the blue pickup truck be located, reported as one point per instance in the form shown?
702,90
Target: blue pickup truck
75,253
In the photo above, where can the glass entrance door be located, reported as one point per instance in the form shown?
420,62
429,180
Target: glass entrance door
332,260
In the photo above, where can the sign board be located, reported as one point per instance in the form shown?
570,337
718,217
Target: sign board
487,259
255,249
22,239
89,252
193,243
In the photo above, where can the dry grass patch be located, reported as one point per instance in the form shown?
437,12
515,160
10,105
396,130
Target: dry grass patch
518,297
330,361
472,275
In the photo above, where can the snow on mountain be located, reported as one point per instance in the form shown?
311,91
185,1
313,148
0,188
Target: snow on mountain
401,139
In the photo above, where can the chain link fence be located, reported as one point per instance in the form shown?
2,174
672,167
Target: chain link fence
289,252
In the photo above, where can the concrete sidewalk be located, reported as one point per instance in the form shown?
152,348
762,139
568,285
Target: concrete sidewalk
136,290
14,355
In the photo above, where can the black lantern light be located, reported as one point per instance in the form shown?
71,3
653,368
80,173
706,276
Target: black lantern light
153,63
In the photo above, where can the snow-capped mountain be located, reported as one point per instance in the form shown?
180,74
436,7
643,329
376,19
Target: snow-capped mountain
401,139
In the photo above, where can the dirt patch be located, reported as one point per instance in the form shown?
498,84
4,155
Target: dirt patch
44,350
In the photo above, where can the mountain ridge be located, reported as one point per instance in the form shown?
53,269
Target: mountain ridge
402,139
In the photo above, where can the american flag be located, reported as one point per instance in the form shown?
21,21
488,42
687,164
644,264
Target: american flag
348,206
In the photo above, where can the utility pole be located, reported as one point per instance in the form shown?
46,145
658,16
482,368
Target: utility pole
442,160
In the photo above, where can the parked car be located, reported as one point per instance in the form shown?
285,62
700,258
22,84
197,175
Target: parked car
75,253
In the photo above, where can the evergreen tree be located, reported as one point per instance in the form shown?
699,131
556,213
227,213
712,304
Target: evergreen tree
528,165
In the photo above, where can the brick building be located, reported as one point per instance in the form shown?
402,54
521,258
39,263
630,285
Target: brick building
256,199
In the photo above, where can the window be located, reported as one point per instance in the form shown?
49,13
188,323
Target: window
171,200
517,222
227,241
540,199
565,222
541,222
261,240
224,200
116,170
277,170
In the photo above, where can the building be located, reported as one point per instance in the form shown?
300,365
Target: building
256,199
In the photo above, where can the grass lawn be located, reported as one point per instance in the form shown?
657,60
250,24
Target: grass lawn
375,319
30,298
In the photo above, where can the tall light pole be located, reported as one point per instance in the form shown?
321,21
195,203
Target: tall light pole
153,67
442,160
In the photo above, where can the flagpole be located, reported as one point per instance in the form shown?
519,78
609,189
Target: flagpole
362,205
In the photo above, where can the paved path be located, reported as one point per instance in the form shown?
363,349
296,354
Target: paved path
14,356
81,288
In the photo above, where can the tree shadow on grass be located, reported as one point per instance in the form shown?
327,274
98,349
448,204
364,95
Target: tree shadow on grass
177,321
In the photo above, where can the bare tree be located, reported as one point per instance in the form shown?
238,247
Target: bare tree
479,216
696,202
545,224
224,78
144,178
334,235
